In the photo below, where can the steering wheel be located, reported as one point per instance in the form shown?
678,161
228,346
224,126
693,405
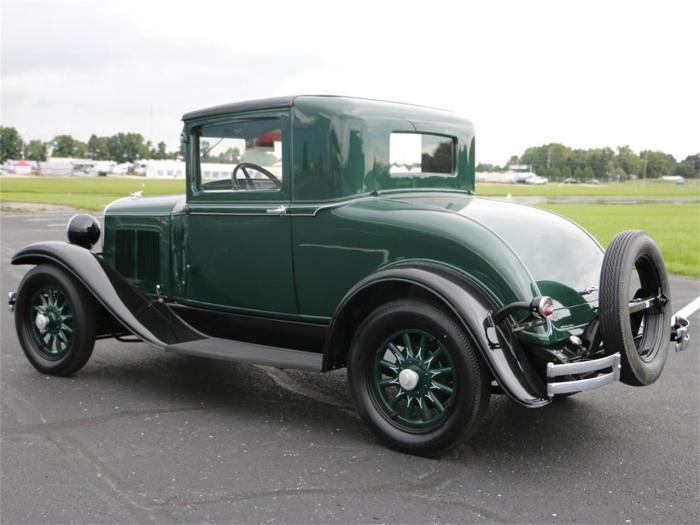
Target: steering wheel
243,166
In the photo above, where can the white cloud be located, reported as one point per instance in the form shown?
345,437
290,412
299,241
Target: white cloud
583,73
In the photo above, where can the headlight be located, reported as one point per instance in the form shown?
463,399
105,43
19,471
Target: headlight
83,230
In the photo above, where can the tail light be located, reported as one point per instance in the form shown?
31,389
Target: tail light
543,306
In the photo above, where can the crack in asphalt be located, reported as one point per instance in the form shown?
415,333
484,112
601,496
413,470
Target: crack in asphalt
143,508
69,424
412,488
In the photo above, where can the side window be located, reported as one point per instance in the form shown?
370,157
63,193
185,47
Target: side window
417,153
240,156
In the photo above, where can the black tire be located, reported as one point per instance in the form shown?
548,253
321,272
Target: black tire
75,346
642,338
470,384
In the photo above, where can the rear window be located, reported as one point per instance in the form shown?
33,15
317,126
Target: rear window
416,153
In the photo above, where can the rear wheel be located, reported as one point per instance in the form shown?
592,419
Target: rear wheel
55,321
635,308
416,379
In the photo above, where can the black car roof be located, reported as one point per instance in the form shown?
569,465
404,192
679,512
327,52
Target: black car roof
236,107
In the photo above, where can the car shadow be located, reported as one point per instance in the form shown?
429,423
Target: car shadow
323,401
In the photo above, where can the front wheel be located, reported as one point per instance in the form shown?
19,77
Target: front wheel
416,379
55,321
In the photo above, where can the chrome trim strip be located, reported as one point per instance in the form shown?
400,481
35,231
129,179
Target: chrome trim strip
582,367
579,385
568,387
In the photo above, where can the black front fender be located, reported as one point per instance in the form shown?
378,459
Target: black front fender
470,304
148,319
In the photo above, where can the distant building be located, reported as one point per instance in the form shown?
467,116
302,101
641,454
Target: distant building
506,177
22,167
510,177
175,169
679,180
163,169
519,167
57,167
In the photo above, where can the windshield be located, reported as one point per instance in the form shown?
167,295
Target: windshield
241,155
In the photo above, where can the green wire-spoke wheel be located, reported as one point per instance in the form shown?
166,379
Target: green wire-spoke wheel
51,322
414,379
55,320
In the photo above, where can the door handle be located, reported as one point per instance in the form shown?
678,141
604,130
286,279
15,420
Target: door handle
277,210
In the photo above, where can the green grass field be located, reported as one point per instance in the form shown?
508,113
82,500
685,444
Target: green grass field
691,189
676,227
89,193
92,193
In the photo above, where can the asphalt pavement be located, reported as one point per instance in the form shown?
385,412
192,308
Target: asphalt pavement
141,436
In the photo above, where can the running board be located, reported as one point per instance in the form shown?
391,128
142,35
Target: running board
228,350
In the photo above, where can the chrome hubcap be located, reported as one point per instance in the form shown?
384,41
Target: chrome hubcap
51,321
408,379
41,322
414,380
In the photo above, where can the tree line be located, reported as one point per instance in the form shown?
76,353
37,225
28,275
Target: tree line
559,162
121,147
554,161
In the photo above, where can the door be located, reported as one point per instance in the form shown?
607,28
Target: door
238,235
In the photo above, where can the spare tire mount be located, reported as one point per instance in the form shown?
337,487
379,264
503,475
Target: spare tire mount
635,306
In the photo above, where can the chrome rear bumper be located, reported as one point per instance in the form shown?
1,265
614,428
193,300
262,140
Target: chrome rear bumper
679,333
11,300
611,362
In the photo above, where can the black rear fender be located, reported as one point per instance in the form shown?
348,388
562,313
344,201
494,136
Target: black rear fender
467,302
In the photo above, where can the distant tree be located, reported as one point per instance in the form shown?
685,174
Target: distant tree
441,161
536,157
514,159
618,174
577,160
490,167
578,173
588,173
160,152
98,148
62,146
80,149
551,173
127,147
10,144
628,161
694,160
36,150
659,164
600,160
67,146
689,167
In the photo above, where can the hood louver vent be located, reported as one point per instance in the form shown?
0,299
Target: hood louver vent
138,254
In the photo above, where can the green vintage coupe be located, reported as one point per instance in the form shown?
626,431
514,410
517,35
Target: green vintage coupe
324,232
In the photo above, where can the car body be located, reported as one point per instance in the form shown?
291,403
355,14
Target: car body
312,223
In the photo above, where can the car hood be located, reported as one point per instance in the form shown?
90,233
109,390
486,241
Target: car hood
563,260
136,205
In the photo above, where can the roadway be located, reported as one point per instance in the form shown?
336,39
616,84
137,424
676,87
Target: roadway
140,436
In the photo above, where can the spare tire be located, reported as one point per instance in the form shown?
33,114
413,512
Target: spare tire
635,306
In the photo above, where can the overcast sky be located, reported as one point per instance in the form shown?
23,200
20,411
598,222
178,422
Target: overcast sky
583,73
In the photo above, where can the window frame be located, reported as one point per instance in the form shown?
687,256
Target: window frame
455,142
194,184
